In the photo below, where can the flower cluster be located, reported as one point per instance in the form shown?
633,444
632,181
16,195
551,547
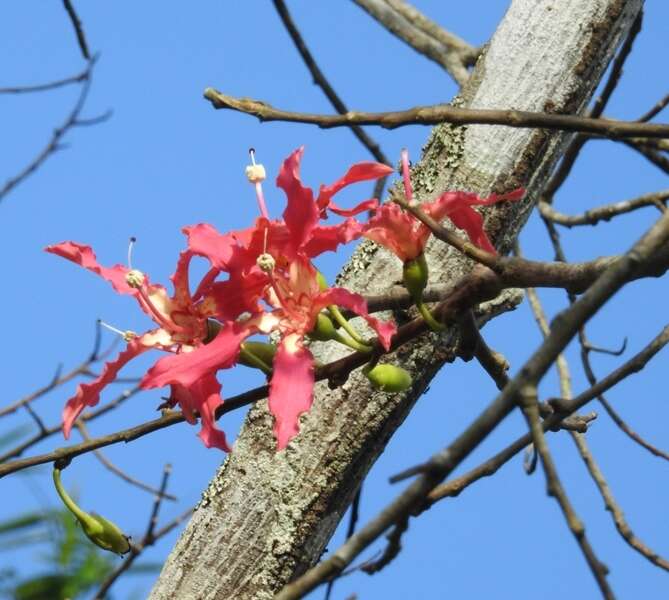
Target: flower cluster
261,280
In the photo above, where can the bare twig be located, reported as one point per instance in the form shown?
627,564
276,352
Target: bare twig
618,420
73,120
586,348
119,472
392,549
58,379
419,32
530,405
49,431
602,213
542,322
321,81
492,362
442,113
468,53
566,407
78,29
612,506
652,155
655,110
43,87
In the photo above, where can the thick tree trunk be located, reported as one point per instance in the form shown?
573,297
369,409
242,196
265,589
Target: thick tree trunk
266,517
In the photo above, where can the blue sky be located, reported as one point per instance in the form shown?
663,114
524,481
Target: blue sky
165,159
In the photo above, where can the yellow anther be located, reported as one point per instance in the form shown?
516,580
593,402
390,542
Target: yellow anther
128,335
134,278
255,173
266,262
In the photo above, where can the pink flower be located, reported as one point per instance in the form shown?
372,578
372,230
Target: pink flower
271,262
182,326
404,235
298,299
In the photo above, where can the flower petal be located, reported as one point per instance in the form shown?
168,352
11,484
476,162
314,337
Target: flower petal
187,368
301,214
397,231
84,256
457,206
371,204
88,394
239,294
204,397
356,303
291,390
222,250
327,238
362,171
466,217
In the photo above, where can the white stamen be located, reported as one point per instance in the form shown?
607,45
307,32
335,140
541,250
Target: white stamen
126,335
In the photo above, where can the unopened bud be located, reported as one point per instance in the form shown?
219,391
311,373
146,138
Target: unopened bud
415,276
135,278
255,173
324,329
262,350
389,378
100,531
266,262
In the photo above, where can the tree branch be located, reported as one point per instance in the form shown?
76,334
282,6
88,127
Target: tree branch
442,113
78,29
321,81
607,212
612,506
423,35
73,120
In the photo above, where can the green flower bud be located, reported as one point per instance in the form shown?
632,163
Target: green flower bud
415,276
324,329
100,531
389,378
213,327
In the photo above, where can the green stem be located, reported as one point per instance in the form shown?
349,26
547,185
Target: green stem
336,313
351,343
83,517
254,360
432,323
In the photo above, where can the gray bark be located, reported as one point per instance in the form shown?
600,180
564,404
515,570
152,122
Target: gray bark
266,517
